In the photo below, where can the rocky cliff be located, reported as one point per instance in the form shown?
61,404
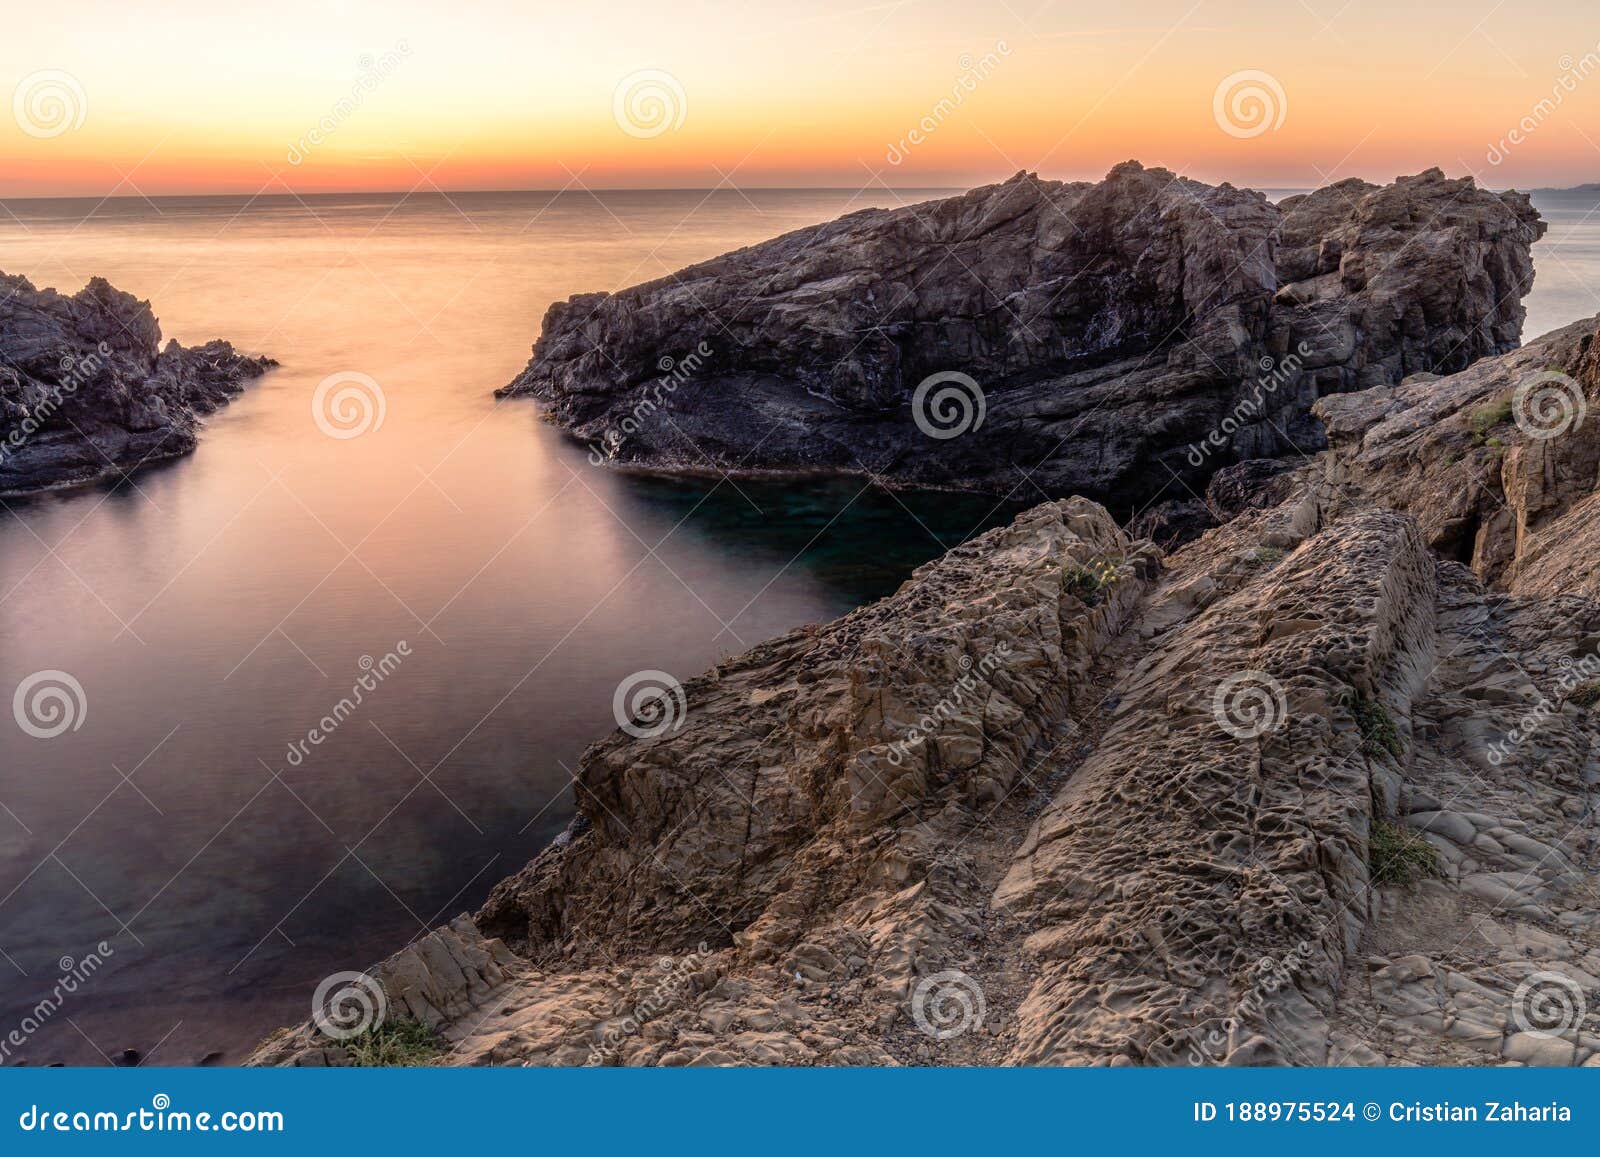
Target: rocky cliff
1099,339
1318,788
87,392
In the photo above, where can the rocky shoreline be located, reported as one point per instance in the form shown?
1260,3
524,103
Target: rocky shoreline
1317,787
88,393
1081,338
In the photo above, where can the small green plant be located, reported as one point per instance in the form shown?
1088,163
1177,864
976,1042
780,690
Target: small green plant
1088,583
1397,855
1486,418
1265,556
399,1043
1586,694
1378,734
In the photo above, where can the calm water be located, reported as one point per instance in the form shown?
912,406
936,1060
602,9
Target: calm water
219,608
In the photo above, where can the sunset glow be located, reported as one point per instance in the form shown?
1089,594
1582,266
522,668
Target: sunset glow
197,98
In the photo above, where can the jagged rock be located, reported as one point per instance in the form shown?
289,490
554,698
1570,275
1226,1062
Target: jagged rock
87,392
1505,486
1113,329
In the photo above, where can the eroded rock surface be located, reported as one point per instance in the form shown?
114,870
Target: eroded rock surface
87,391
1112,327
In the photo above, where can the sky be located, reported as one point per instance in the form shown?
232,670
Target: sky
200,97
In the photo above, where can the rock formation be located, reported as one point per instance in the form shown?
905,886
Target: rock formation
1317,788
1120,340
87,392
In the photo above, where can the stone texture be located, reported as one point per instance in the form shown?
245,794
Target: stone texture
87,392
1111,326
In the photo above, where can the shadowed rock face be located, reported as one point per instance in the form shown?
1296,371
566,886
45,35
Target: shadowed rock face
1111,327
87,392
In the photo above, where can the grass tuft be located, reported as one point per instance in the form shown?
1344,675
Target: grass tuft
1398,855
1486,418
1088,583
400,1043
1378,734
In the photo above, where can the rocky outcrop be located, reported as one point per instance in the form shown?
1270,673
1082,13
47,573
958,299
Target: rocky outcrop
1119,336
1499,464
87,392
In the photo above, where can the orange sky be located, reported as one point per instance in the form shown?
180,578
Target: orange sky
201,97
